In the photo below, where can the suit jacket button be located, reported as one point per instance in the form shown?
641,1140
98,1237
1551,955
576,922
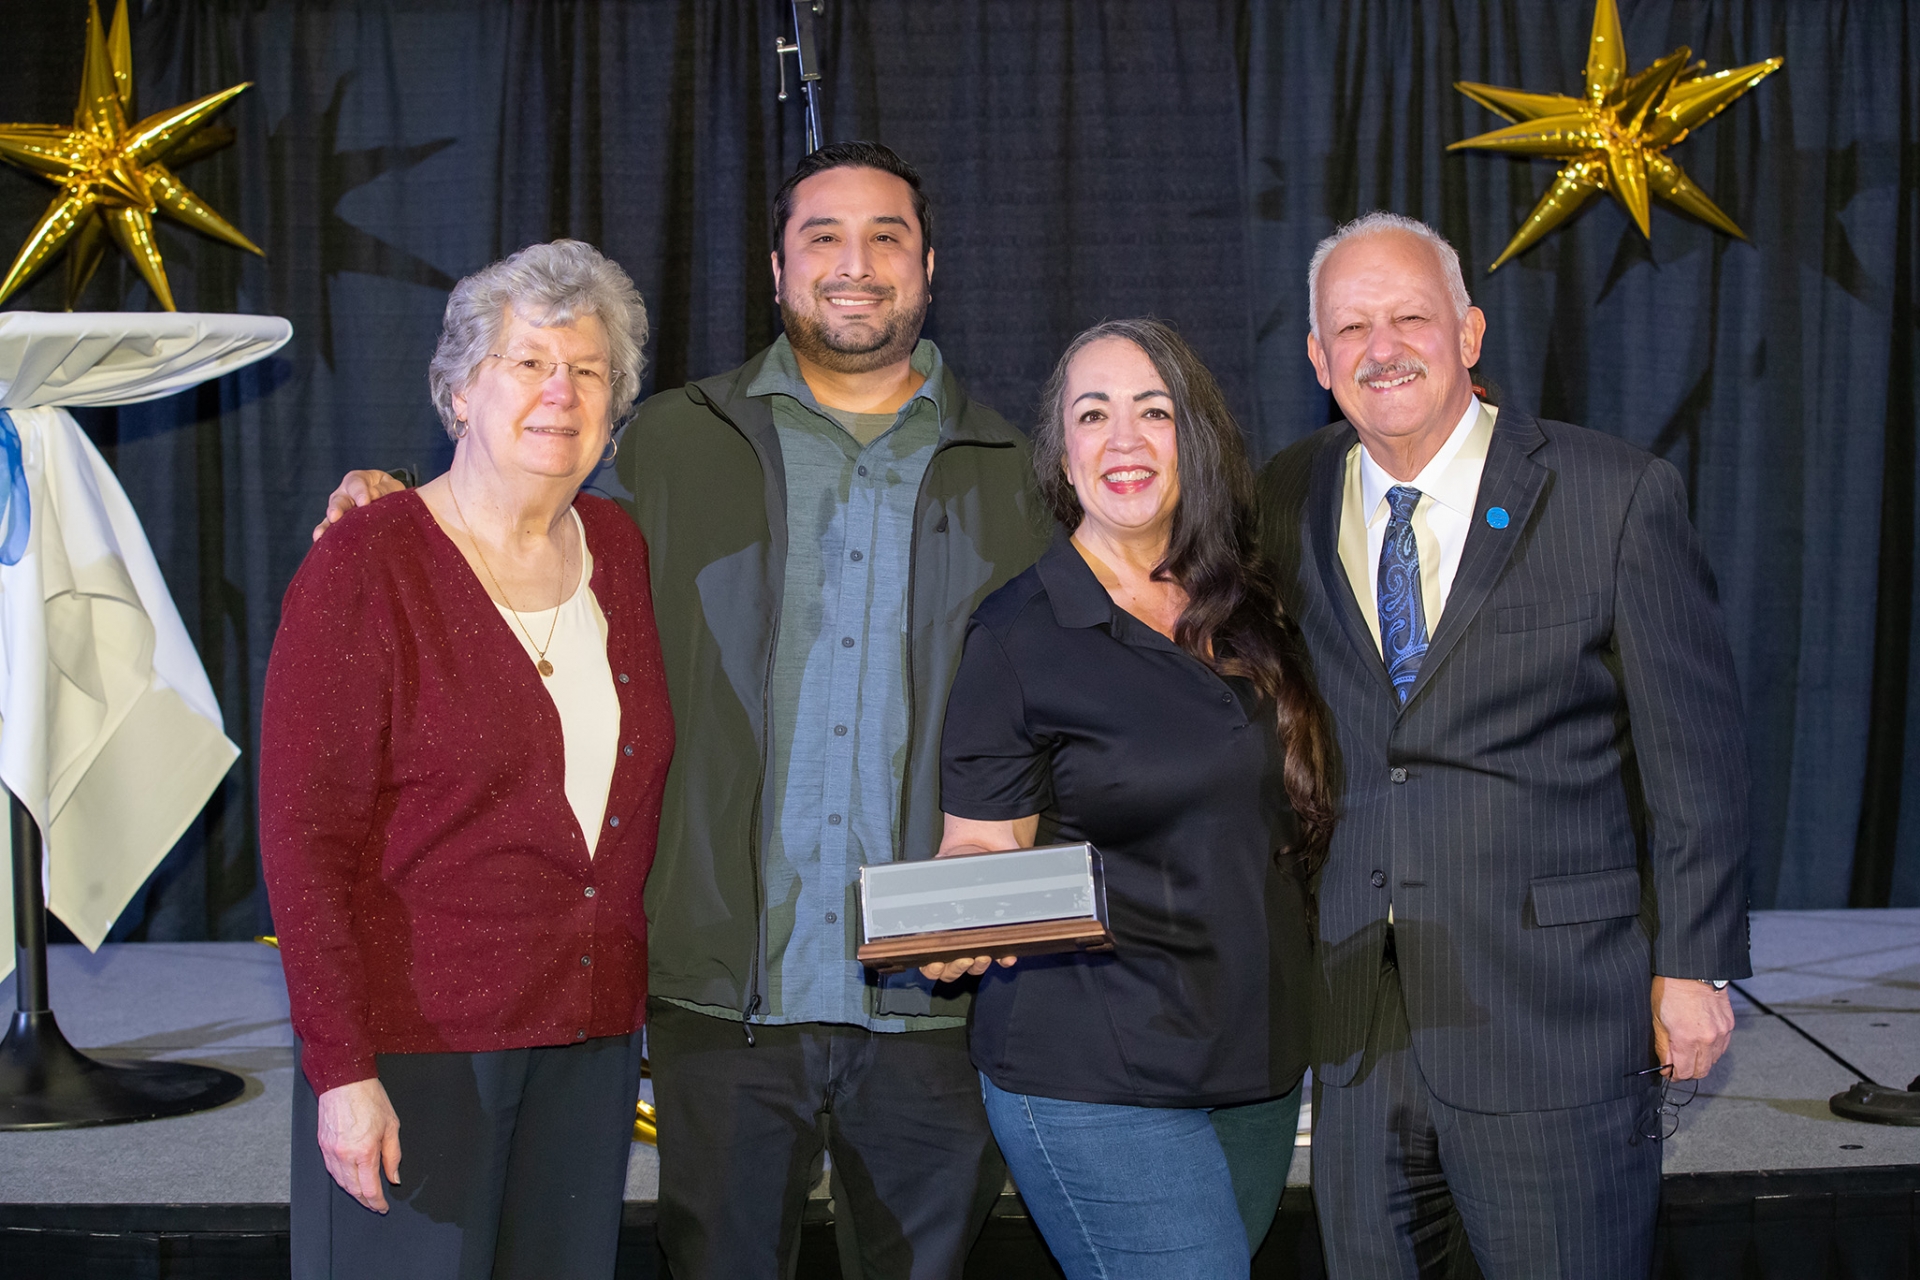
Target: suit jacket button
1396,775
1379,879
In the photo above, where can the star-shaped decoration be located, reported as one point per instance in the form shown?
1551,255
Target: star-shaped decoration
114,175
1614,138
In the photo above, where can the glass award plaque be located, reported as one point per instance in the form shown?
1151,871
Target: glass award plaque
1018,903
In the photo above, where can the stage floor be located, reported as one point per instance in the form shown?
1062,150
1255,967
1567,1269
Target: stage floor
1829,986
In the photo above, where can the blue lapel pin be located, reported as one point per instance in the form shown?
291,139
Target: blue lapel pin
1497,517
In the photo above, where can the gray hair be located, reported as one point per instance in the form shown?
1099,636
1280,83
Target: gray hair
544,284
1373,224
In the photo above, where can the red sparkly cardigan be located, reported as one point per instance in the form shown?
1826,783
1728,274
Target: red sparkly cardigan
429,881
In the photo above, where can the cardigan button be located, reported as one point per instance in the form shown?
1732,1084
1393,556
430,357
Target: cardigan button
628,749
586,960
581,1034
589,891
613,822
623,677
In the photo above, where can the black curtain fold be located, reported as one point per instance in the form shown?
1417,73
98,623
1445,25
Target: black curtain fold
1086,159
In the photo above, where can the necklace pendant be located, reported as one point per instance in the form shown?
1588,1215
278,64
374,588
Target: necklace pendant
546,668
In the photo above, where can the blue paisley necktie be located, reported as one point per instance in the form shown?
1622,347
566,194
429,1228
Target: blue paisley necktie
1403,616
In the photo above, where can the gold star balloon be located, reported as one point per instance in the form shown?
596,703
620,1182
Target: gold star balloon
1614,138
114,176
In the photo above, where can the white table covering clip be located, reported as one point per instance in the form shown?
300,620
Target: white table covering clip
109,731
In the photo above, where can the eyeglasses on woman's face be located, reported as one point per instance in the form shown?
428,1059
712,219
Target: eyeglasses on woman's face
587,376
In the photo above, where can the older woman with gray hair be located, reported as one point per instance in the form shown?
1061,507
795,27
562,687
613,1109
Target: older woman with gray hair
463,748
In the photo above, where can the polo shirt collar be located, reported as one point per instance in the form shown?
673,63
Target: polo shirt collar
1077,597
1456,488
780,376
1079,600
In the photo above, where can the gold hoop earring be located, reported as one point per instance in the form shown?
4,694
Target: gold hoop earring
613,450
459,428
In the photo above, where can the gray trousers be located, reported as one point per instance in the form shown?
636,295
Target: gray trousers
512,1164
1406,1186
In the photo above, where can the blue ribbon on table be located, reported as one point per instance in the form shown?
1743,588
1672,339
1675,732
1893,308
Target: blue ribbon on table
16,511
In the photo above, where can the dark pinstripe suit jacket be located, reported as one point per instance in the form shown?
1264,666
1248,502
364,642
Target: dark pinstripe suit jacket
1559,812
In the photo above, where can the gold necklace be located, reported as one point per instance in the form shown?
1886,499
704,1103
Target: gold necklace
545,667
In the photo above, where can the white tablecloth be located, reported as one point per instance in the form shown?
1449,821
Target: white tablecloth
109,731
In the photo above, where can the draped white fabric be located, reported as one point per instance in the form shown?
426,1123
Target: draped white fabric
113,357
109,730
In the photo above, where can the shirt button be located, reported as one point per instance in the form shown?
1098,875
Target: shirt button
587,960
831,917
833,819
1396,775
1379,879
846,642
623,677
858,556
1226,697
628,749
863,471
589,891
613,822
839,731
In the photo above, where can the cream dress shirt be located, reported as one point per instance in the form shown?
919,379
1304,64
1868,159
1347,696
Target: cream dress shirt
1449,485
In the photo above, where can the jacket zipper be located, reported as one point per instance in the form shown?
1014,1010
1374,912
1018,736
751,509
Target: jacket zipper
751,1005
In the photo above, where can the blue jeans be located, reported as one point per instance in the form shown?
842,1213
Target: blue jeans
1123,1193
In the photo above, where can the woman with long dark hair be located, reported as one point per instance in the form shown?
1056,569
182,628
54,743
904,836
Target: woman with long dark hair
1140,688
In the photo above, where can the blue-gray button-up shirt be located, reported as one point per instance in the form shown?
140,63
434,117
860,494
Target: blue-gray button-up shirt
838,697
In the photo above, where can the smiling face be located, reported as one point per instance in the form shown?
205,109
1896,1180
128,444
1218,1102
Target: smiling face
1390,346
1121,457
852,277
556,426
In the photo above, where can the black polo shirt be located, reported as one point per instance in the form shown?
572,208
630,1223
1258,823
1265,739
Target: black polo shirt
1067,706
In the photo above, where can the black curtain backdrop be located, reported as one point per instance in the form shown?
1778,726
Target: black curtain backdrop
1085,160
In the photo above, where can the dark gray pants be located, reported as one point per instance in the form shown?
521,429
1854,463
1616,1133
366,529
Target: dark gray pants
1404,1184
512,1164
742,1129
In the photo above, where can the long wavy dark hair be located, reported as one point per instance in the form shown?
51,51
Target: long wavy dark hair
1233,621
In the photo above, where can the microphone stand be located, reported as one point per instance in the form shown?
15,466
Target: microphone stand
46,1083
807,60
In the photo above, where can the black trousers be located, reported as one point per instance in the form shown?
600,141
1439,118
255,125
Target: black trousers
742,1129
512,1164
1404,1185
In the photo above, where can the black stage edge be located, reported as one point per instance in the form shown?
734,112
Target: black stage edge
1817,1224
1763,1180
46,1083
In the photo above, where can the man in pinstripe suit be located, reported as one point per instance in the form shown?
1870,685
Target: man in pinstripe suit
1537,889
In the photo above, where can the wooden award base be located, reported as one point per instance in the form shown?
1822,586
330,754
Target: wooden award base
1034,938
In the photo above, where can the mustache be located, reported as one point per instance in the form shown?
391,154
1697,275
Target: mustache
1370,370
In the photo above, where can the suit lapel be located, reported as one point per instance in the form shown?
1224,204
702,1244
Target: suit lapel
1512,481
1325,497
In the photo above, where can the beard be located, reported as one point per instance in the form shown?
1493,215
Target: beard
812,336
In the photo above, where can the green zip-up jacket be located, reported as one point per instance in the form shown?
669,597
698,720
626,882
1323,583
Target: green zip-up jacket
709,492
